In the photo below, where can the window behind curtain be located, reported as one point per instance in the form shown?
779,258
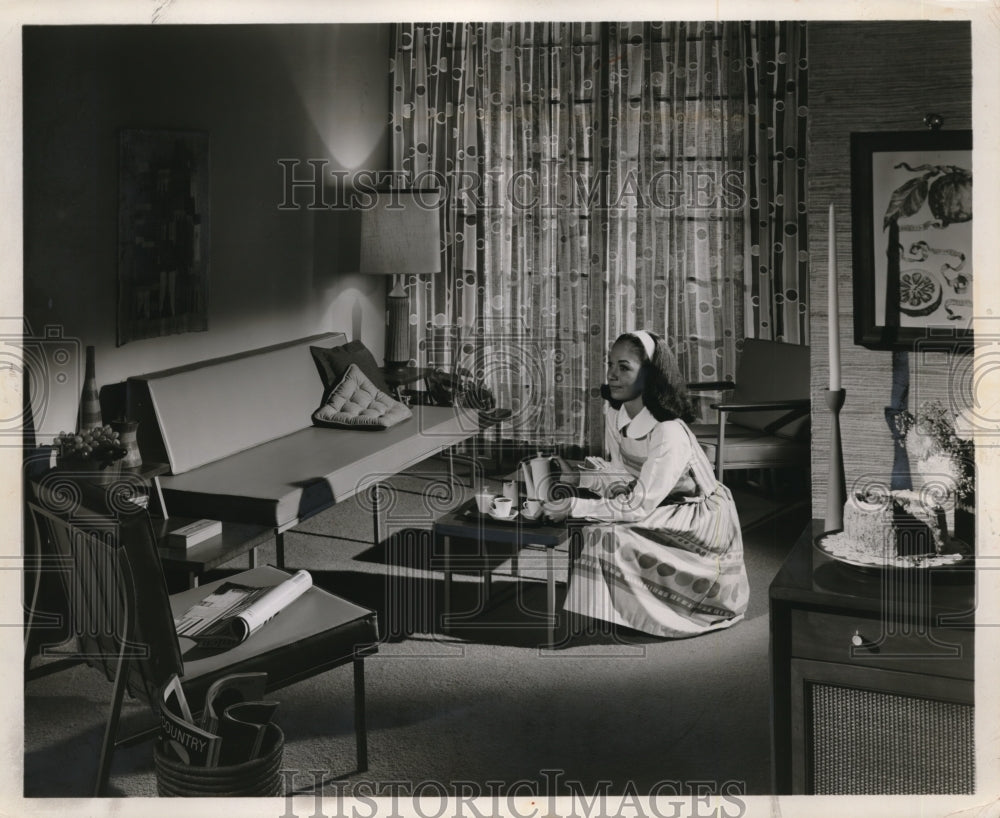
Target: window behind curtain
599,179
673,254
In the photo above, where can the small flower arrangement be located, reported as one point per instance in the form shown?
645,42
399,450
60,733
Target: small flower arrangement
97,448
931,437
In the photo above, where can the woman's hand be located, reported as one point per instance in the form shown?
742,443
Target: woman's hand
567,474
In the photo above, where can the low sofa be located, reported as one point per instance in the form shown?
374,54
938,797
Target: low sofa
241,444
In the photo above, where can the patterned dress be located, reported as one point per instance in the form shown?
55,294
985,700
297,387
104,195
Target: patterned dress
665,553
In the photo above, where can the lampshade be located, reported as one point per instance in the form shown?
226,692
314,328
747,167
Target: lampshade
401,233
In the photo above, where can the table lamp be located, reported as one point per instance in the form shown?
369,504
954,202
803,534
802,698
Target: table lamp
400,236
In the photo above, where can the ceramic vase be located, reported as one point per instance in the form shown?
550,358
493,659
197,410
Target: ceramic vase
127,435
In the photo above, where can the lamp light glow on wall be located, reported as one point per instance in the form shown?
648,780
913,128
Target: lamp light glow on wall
401,236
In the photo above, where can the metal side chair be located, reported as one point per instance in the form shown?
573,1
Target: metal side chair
123,618
764,422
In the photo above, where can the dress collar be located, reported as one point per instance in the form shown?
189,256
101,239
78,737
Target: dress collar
639,426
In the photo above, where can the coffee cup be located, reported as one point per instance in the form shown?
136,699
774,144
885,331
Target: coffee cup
532,509
484,501
502,506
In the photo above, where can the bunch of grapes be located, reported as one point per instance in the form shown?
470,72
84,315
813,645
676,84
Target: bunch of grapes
100,445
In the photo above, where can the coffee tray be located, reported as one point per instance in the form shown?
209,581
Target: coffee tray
838,546
516,519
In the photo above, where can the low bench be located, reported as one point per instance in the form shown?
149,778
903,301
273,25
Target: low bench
238,436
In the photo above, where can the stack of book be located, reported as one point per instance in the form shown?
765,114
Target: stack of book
187,536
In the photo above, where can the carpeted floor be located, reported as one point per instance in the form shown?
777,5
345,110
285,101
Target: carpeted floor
482,704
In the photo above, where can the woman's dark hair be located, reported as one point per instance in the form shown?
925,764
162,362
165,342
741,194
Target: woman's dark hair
665,393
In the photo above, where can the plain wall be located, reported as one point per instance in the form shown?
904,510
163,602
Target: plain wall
869,76
262,93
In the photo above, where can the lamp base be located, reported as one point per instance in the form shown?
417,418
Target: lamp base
397,336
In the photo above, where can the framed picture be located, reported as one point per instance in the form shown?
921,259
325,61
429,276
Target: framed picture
163,233
911,203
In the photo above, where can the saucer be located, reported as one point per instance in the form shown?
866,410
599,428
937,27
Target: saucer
501,518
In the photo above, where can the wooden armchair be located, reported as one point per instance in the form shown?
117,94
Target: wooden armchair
123,618
764,422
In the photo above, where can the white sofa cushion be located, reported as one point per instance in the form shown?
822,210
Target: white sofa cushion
356,402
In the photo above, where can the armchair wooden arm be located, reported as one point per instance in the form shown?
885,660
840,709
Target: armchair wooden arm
711,386
801,404
797,406
763,409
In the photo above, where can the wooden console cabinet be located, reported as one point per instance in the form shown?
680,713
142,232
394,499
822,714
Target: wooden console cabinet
871,677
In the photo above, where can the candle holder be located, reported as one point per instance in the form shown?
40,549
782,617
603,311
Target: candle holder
836,487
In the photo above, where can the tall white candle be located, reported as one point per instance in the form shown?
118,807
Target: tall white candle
834,308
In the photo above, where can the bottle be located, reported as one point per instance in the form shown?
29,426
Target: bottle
90,402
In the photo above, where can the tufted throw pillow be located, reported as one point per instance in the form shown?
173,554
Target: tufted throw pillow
356,403
332,363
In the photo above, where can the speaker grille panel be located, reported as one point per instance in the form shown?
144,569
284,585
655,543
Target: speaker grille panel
865,742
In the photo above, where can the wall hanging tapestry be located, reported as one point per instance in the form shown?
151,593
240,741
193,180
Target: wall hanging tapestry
163,233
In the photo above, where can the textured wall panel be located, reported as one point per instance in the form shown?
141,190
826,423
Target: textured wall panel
868,76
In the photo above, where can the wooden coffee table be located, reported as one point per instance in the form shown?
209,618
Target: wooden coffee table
466,523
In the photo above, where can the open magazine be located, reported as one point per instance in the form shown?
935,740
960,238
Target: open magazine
233,612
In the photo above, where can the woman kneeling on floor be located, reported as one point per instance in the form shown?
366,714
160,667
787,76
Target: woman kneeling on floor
665,553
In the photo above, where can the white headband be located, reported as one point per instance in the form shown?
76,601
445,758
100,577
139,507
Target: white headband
648,344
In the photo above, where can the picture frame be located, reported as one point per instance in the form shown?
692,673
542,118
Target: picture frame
911,208
163,233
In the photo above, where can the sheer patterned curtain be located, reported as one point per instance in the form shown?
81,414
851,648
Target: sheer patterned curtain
675,222
777,249
541,84
436,122
601,177
503,114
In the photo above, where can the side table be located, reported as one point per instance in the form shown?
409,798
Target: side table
235,540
